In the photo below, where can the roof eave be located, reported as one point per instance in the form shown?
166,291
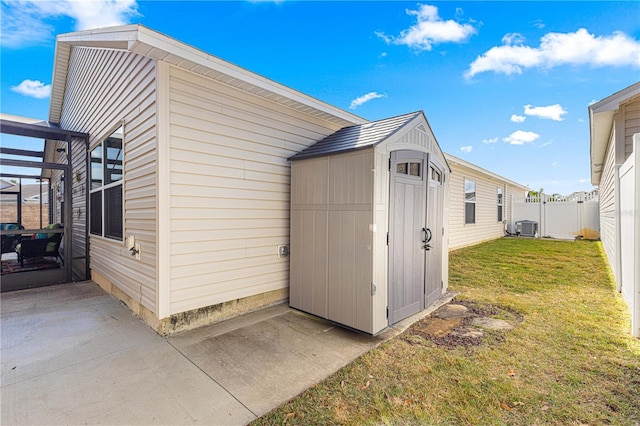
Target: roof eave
600,124
152,44
455,160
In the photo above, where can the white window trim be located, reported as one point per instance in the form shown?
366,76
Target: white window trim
464,200
103,187
500,191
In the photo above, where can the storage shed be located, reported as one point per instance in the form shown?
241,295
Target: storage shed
368,241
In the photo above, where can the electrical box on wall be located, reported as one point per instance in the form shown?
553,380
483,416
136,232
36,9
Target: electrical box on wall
283,251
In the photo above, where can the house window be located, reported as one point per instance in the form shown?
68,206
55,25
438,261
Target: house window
105,197
499,204
469,201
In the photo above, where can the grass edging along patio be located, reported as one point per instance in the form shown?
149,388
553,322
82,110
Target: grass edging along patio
569,358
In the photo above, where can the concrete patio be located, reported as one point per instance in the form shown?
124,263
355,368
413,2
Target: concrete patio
72,354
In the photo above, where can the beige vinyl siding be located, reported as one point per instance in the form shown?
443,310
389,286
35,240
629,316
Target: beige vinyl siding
229,189
78,200
511,194
79,205
486,226
631,125
608,205
106,88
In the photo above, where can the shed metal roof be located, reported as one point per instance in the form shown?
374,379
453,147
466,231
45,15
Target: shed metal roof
357,137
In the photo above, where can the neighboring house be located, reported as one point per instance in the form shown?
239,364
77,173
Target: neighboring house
479,203
615,157
22,203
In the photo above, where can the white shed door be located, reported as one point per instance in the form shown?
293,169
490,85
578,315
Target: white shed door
435,222
407,199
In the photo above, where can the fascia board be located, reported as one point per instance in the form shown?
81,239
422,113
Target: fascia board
153,39
478,169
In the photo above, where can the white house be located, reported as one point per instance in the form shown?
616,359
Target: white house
189,178
179,180
479,203
615,156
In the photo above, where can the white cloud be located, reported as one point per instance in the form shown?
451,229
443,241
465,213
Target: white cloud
551,112
581,120
23,22
365,98
492,140
544,144
33,88
466,149
513,38
518,118
430,29
584,180
556,49
520,137
538,24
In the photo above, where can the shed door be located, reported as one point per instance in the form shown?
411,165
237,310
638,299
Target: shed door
435,223
407,199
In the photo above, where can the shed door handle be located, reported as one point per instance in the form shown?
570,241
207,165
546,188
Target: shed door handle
427,235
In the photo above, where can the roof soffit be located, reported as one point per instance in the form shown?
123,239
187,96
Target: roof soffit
157,46
601,117
462,163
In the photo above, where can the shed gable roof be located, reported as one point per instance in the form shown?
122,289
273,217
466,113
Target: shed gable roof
152,44
357,137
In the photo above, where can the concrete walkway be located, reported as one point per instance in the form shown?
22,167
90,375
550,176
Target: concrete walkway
72,354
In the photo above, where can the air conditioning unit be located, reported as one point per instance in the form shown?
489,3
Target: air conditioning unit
527,228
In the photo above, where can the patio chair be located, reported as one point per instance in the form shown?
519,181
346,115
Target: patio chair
9,242
40,245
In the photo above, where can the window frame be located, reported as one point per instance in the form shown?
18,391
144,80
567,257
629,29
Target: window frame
470,202
103,189
500,194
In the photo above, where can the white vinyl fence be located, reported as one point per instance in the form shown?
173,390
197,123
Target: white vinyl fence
575,216
630,235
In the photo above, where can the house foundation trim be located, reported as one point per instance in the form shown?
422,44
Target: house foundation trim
195,318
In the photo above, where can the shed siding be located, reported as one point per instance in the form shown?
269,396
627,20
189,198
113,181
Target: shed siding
230,191
331,217
105,88
486,226
631,125
608,205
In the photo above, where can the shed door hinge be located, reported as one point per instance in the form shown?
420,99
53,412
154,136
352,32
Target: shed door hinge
387,238
373,289
387,312
389,163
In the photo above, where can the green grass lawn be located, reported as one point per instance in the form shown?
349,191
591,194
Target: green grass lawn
570,360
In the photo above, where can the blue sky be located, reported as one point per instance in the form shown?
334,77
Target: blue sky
504,85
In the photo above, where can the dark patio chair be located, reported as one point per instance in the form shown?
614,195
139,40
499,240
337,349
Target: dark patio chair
42,245
9,242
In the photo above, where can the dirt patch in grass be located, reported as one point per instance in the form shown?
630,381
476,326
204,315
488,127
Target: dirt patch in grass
460,328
